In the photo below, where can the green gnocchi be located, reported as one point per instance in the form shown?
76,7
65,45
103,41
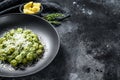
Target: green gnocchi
20,46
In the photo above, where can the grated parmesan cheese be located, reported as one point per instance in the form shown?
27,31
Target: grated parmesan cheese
18,39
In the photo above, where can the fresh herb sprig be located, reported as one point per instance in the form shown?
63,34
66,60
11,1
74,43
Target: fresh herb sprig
55,18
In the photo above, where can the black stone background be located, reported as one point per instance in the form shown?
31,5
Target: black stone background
90,43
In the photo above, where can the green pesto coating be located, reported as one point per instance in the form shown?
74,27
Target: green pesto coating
20,46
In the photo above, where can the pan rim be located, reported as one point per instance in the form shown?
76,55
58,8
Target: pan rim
58,46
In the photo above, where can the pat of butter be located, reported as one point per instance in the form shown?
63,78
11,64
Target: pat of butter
35,9
27,11
36,4
31,7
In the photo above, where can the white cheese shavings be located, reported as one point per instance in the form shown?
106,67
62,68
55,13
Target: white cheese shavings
18,39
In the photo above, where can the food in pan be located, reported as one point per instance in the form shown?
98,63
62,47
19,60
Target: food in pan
31,7
20,46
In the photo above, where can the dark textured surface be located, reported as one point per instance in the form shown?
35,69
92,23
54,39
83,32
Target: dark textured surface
90,42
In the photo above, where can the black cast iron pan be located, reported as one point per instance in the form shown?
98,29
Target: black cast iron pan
47,34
